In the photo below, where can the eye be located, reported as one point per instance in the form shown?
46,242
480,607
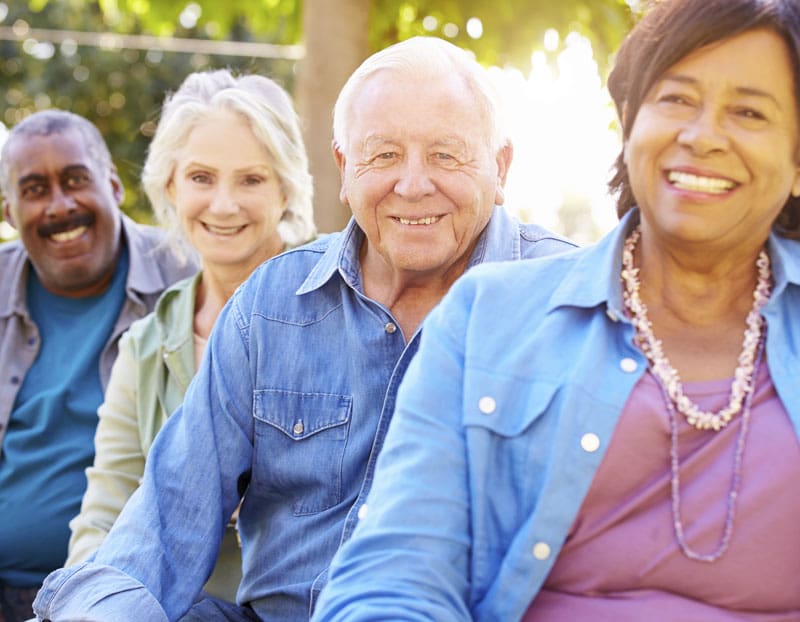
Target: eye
76,180
386,155
201,178
750,113
674,98
253,180
33,191
443,156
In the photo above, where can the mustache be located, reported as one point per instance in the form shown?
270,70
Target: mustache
65,224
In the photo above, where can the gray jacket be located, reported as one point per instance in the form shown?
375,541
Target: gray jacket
152,269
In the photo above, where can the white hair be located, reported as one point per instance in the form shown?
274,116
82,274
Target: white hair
267,109
427,58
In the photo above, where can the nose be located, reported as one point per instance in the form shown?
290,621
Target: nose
223,202
703,133
415,181
61,203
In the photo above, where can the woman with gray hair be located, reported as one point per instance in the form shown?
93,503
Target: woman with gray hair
227,175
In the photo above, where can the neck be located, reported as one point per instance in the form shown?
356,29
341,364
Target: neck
408,294
700,288
216,286
698,315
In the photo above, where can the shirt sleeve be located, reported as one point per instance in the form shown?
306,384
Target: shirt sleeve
409,556
164,544
119,460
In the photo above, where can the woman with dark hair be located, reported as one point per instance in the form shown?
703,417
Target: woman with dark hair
612,434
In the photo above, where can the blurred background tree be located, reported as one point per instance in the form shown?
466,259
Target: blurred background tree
309,47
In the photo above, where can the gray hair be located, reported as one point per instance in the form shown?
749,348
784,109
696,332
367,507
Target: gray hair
47,123
267,109
429,58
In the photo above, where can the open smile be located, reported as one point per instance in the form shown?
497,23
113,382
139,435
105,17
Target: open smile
224,231
428,220
700,183
68,229
68,236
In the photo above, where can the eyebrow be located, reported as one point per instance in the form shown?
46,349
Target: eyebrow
742,90
245,169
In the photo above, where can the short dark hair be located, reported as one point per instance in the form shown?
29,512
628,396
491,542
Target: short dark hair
671,30
54,121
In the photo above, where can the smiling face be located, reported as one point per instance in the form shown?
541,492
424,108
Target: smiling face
66,209
713,152
419,174
227,197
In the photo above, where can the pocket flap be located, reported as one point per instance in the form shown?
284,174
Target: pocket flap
505,405
301,415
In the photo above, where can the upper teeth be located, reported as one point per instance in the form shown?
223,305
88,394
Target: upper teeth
66,236
687,181
223,230
419,221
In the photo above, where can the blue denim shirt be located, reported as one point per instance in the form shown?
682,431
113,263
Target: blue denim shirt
488,459
290,408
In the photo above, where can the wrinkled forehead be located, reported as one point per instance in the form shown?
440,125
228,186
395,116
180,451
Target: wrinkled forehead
432,103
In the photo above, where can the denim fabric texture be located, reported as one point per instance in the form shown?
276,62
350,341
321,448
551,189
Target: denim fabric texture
484,469
289,408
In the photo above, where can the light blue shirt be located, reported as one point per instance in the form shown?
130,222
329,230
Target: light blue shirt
501,423
290,407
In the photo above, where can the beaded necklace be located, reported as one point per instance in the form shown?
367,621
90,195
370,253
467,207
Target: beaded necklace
742,388
743,378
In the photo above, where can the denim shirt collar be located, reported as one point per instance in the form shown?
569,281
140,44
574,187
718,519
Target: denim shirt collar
589,288
342,254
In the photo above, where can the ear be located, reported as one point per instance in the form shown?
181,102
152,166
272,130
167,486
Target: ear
7,215
340,160
503,159
796,184
117,189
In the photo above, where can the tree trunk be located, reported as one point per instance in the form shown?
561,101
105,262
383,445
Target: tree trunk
336,41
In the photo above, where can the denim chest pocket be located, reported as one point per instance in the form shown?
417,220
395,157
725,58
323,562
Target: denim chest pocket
300,440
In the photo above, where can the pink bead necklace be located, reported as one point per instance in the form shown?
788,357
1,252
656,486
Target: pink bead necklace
742,387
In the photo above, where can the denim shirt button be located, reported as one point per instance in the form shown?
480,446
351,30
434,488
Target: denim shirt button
298,428
590,442
390,328
487,405
628,365
363,511
541,551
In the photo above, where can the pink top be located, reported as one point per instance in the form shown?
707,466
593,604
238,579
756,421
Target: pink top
621,560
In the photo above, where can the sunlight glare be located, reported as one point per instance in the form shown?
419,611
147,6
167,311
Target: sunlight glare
562,125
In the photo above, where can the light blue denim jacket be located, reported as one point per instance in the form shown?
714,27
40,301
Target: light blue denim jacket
290,406
493,446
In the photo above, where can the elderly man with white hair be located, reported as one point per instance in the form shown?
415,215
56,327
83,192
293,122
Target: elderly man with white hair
294,396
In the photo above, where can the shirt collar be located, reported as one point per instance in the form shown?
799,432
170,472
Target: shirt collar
341,255
589,287
499,240
785,258
13,283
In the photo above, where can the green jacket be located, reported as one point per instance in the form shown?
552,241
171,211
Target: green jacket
148,380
